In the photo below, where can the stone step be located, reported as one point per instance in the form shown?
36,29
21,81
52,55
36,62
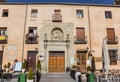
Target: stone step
56,75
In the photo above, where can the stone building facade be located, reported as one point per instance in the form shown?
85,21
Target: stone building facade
60,35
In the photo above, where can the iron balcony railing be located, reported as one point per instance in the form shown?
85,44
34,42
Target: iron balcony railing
3,39
80,40
31,40
112,39
57,18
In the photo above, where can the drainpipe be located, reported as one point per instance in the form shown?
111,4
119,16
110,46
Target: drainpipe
89,28
24,32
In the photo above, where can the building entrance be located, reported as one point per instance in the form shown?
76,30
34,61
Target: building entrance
56,61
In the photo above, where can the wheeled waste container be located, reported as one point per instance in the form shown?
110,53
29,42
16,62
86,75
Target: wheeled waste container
22,77
72,74
90,77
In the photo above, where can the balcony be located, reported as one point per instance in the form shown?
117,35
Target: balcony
3,39
31,39
57,18
80,40
112,40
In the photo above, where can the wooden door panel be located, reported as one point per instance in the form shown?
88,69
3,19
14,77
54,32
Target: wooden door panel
80,32
31,59
110,34
56,62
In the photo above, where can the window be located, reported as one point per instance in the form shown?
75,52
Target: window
34,13
108,14
79,13
113,54
3,35
3,31
33,30
80,36
57,17
5,13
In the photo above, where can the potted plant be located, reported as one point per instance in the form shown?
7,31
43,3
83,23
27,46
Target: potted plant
8,66
24,65
5,66
30,75
38,65
74,67
89,69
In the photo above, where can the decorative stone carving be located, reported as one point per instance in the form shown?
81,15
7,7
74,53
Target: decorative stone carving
56,34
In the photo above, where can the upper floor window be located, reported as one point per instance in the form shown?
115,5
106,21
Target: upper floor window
57,17
3,31
34,13
3,35
79,13
32,36
80,36
108,14
5,13
32,31
111,38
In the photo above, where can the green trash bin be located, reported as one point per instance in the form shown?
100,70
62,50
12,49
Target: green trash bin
90,77
22,78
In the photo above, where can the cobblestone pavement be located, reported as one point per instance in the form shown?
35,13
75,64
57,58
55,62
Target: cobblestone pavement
56,78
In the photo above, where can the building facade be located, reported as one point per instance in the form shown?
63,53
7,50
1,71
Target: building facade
2,0
59,35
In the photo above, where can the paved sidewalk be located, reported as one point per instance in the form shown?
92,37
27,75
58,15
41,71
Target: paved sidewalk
56,78
13,80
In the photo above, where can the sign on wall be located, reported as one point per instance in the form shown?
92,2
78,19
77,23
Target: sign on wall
18,66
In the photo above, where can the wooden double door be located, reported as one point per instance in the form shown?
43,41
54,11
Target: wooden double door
56,61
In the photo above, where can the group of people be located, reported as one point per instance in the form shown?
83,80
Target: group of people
110,76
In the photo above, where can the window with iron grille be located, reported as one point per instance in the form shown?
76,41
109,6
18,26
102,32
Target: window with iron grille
108,14
5,13
34,13
79,13
3,31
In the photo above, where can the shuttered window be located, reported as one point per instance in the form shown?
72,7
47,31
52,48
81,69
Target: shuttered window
111,34
80,32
